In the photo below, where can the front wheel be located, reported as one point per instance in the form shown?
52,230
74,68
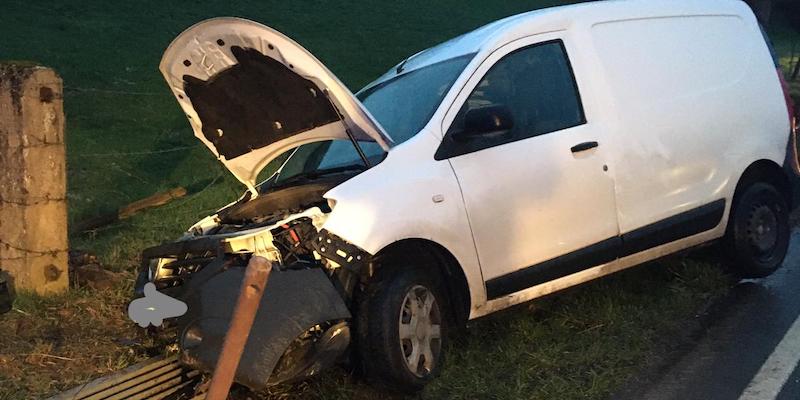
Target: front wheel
402,344
758,232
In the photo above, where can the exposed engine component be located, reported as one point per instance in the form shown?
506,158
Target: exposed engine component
311,286
286,241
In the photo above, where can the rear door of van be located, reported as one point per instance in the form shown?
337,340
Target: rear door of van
696,101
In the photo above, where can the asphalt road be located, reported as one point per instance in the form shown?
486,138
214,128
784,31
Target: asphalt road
750,348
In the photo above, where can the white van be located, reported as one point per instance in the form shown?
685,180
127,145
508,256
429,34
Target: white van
530,155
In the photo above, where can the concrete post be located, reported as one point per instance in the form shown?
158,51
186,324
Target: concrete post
33,207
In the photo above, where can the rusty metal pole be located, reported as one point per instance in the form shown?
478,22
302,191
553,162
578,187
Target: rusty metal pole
253,285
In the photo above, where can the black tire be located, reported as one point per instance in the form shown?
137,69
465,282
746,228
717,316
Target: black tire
383,354
758,232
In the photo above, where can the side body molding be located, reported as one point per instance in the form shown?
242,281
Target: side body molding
685,224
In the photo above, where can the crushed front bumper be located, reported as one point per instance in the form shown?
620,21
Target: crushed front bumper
294,302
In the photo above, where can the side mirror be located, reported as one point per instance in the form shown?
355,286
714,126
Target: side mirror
485,121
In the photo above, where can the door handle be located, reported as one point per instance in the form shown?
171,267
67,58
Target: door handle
583,146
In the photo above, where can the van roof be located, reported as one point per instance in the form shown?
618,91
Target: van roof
553,19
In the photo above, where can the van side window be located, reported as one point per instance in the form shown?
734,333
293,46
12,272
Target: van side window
535,85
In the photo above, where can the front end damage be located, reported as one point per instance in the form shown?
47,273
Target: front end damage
303,321
254,96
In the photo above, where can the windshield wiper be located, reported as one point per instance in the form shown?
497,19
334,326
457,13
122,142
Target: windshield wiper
401,66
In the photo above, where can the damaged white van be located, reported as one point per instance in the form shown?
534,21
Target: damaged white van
530,155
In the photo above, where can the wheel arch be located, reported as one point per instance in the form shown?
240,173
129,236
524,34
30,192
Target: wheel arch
447,266
765,171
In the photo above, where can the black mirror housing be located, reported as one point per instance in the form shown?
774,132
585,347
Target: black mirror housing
485,121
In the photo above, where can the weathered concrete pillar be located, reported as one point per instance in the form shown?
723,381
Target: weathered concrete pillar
33,207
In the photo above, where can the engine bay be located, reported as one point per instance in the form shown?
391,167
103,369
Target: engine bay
317,269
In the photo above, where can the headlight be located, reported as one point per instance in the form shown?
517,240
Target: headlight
156,268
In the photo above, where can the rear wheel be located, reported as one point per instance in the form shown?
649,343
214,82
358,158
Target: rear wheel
758,231
402,345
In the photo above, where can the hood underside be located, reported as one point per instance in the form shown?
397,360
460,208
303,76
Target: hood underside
251,94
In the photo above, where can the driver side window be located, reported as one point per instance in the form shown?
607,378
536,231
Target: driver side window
535,85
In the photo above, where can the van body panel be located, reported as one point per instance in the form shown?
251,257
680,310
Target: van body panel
373,212
683,86
676,130
598,271
538,182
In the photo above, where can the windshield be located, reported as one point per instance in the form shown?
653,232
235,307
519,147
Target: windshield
405,103
317,159
402,105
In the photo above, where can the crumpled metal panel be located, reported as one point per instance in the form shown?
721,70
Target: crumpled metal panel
293,302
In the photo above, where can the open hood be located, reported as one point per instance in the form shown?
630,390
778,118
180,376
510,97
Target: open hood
251,93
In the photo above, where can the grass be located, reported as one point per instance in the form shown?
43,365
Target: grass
127,139
581,343
55,343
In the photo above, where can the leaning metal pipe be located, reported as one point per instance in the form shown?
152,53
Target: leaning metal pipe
255,280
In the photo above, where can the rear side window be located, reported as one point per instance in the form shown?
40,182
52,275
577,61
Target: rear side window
535,84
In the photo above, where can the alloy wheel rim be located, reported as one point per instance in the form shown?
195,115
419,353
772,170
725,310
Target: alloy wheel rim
420,330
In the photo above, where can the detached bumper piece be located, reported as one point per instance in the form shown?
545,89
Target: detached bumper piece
300,327
296,303
156,379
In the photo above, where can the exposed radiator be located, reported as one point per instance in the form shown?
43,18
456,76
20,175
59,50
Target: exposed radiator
155,379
